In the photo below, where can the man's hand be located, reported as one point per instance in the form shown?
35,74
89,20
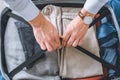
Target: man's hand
45,33
75,32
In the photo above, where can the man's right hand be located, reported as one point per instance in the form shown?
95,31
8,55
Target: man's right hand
45,33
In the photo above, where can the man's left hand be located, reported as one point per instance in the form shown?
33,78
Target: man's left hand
75,32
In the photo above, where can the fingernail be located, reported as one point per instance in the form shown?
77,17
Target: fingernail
58,46
65,43
68,45
43,48
62,43
74,45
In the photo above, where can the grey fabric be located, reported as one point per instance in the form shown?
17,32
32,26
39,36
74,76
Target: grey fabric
75,64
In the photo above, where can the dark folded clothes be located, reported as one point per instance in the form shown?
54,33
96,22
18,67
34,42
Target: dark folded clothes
108,40
107,35
30,46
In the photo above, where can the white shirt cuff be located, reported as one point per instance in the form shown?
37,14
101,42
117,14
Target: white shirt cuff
29,12
93,6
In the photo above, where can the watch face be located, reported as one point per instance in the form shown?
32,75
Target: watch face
87,20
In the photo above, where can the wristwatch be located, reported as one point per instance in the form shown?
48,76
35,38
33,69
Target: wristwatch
86,18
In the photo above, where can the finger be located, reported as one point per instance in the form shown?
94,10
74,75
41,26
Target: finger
81,37
57,40
66,38
80,42
50,41
82,32
53,44
42,45
49,46
75,43
54,47
71,40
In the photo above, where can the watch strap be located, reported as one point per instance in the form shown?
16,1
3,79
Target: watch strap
81,15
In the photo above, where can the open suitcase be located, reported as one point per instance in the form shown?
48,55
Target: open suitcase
40,4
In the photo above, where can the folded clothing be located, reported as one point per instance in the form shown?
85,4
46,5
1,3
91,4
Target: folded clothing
107,39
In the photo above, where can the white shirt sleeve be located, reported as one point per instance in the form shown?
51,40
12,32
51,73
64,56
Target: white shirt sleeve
24,8
93,6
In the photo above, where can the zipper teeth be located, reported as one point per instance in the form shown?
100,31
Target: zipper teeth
62,27
61,22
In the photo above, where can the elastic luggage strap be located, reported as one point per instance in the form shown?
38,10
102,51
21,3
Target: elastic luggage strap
3,25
